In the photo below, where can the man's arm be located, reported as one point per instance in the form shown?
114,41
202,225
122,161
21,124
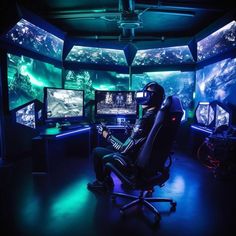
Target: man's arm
104,131
137,138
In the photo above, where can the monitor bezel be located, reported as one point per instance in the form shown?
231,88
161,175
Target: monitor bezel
60,119
115,115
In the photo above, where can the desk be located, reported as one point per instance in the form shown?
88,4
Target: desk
53,144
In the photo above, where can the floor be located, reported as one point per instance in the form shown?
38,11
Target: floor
58,203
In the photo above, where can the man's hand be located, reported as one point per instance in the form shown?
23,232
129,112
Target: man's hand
105,134
103,130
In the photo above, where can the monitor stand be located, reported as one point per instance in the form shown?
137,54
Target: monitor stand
64,125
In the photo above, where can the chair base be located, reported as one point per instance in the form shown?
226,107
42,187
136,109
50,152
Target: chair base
143,201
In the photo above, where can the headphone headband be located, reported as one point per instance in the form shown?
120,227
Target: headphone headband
149,84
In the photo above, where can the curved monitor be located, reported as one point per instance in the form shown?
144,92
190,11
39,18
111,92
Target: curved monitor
63,104
115,103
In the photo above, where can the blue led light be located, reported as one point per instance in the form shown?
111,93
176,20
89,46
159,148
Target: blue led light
202,129
72,132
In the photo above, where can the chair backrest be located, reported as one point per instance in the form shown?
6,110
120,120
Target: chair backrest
157,147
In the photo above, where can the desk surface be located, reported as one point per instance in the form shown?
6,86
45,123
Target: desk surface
57,132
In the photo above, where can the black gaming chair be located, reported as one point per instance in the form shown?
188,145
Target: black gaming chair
151,167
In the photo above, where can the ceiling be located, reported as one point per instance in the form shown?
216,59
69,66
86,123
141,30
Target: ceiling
129,19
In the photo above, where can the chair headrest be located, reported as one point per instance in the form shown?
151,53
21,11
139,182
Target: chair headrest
172,104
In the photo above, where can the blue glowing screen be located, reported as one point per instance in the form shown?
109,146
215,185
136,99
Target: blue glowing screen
176,83
158,56
26,116
93,55
204,113
30,36
222,116
218,42
217,82
27,78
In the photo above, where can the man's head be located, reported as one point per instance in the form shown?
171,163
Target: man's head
152,95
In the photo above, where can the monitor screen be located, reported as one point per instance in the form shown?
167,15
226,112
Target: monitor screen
163,56
217,82
176,83
220,41
204,113
26,78
29,36
63,103
112,103
26,116
94,55
222,116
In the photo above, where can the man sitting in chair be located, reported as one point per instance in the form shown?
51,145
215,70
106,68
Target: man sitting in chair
151,99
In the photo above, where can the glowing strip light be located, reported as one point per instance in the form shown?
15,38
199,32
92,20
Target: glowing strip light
72,132
114,126
201,129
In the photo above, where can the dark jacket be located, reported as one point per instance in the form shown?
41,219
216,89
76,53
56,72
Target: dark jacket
138,136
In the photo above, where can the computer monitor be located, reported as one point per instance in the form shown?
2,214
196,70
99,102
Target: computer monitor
222,116
63,104
204,114
26,115
115,103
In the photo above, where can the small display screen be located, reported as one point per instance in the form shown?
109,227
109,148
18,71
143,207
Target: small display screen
204,113
26,116
222,116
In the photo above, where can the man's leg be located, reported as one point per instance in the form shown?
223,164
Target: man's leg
98,154
102,181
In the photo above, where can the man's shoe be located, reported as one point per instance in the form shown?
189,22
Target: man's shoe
97,186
